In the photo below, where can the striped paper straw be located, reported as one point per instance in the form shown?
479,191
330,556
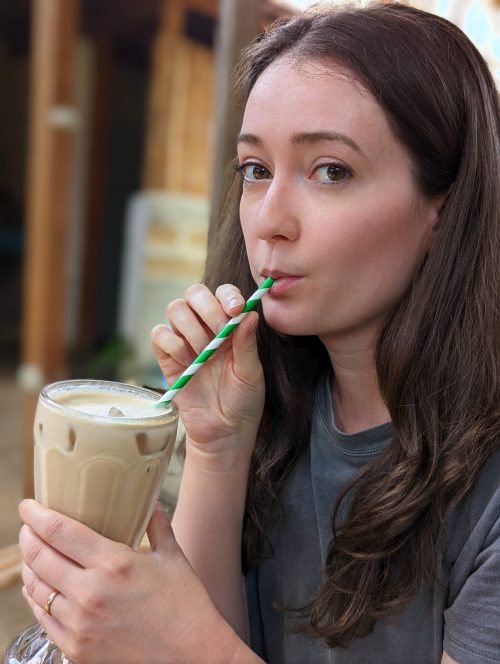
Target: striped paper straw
218,340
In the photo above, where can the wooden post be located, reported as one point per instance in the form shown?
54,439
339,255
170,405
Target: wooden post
239,22
52,120
178,140
96,190
167,42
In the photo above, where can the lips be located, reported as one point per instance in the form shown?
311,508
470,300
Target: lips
283,280
276,274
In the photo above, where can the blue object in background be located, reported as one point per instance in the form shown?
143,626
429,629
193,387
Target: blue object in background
11,241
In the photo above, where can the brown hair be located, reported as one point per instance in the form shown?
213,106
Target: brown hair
438,353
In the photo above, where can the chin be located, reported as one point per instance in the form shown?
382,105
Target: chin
282,319
290,326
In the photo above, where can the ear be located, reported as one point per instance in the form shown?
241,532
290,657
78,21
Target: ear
436,205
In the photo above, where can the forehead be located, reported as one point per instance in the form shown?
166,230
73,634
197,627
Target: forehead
290,97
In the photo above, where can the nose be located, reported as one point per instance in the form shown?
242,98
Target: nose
277,216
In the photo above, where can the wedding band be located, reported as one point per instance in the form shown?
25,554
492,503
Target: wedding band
48,603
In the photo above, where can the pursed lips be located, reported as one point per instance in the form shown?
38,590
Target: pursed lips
276,274
283,280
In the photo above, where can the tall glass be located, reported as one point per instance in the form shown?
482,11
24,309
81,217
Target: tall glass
101,455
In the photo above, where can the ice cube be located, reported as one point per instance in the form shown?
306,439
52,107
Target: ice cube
115,412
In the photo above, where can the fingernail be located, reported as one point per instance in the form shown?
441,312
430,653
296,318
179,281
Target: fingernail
235,302
161,337
24,505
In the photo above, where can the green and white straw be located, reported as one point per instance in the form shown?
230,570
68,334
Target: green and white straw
218,340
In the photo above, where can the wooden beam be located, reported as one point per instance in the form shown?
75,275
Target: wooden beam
54,31
10,566
198,120
165,48
96,190
180,109
238,25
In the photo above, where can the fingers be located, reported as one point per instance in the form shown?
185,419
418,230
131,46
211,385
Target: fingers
45,562
231,299
246,363
172,352
49,622
201,315
70,541
194,322
160,534
40,592
207,307
193,327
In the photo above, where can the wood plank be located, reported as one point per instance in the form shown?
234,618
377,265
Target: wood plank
180,108
199,134
239,22
9,555
54,30
164,55
10,566
178,116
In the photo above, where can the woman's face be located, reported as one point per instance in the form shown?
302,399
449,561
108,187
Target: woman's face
329,205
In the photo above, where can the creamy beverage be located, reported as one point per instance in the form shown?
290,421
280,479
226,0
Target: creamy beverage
101,454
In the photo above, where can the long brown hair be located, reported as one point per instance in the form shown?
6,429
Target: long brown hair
438,354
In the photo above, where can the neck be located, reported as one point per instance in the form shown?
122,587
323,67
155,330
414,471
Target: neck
357,402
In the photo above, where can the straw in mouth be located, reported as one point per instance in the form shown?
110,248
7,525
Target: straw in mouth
218,340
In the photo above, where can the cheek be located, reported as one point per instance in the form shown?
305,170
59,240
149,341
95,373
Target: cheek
389,254
244,224
250,248
377,247
247,227
389,226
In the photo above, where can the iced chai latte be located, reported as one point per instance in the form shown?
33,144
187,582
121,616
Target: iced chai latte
101,454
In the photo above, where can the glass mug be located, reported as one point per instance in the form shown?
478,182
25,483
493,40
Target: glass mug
101,455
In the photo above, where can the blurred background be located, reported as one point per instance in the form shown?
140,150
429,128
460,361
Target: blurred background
116,127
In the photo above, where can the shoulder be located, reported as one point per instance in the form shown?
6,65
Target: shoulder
488,482
472,543
472,553
476,517
484,498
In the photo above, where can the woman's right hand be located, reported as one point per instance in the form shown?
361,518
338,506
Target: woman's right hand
222,405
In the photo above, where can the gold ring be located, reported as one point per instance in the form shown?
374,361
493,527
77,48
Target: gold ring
48,603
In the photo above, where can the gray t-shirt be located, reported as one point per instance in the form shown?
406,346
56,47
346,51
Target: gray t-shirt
461,616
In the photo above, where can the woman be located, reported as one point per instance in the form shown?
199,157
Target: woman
351,432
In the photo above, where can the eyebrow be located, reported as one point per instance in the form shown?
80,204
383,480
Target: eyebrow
307,137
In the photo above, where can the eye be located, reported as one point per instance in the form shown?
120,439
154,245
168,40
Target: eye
331,173
253,172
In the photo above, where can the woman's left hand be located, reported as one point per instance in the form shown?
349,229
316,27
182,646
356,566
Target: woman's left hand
116,605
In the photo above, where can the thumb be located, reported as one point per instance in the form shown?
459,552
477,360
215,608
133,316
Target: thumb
160,533
246,362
